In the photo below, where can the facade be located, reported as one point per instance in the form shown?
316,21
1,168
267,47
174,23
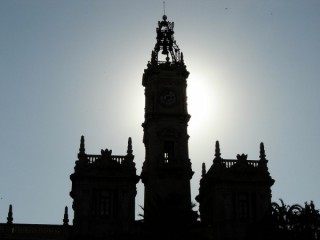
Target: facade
234,195
103,192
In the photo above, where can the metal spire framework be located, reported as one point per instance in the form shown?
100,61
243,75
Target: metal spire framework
166,43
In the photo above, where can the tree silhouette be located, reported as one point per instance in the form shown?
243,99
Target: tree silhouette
296,221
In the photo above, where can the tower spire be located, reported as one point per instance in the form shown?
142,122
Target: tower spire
262,152
82,149
66,217
204,171
10,215
263,161
217,151
129,150
217,161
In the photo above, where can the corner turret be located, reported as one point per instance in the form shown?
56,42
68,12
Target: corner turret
234,194
103,192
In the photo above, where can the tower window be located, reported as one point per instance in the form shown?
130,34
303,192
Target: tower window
104,203
168,153
243,206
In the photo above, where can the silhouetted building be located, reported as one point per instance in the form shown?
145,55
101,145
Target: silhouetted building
234,195
166,171
103,192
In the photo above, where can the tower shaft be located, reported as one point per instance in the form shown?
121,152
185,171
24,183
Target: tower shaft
167,169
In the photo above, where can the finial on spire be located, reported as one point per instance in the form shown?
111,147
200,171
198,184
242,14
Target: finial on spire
204,171
181,58
217,151
164,8
129,150
262,152
263,161
66,217
10,215
82,149
129,157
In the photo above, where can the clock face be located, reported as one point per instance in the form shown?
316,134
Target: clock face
168,98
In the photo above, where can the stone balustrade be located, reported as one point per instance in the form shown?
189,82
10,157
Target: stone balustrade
228,163
93,158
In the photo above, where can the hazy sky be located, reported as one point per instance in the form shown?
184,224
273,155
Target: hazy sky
72,68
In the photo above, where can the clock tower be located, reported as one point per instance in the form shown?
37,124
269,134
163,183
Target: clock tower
166,171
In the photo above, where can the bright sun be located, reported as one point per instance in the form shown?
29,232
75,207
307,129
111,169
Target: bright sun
202,101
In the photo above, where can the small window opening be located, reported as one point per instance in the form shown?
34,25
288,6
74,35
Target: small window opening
105,203
168,153
243,206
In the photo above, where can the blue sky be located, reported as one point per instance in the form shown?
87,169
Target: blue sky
72,68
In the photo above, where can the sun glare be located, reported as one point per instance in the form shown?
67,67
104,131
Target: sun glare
202,101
